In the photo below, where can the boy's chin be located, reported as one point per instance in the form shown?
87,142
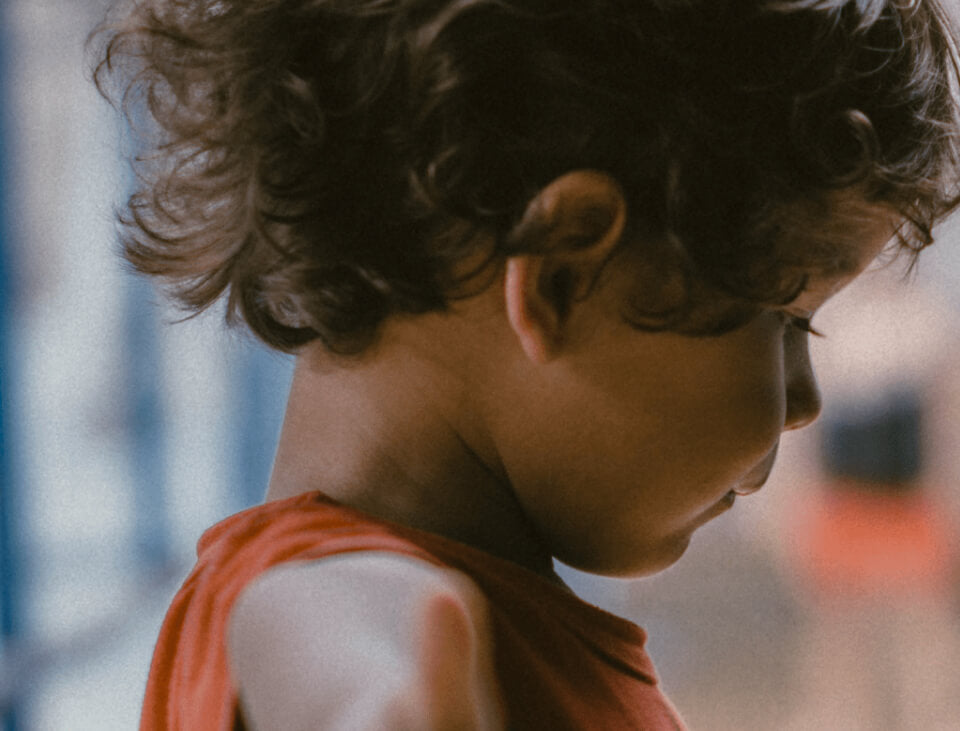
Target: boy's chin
633,564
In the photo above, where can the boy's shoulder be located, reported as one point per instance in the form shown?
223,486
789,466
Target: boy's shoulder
364,639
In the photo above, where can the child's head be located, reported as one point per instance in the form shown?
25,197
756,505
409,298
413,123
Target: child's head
725,165
331,163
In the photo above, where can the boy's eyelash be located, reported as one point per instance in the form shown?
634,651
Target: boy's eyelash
804,324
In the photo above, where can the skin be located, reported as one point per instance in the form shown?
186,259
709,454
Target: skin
534,422
411,649
667,429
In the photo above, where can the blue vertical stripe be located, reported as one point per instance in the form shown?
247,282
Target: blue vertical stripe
11,574
259,400
146,433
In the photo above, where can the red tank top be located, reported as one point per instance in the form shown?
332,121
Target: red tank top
560,663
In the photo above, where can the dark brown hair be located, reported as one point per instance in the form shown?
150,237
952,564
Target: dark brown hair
329,163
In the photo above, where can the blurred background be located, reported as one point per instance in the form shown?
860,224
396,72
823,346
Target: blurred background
829,600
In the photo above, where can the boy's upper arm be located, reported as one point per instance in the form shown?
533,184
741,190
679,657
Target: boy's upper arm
363,641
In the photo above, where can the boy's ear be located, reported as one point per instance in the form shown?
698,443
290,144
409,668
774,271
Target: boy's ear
569,230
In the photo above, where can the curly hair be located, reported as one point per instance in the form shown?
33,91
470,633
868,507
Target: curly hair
330,163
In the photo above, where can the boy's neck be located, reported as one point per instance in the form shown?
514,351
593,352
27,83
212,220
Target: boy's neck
389,435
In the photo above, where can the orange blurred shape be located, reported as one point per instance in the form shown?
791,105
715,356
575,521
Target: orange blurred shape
857,541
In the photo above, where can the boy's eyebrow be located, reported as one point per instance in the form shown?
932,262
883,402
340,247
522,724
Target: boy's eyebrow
847,259
844,250
844,264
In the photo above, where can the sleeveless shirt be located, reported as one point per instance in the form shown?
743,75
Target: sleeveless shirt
560,662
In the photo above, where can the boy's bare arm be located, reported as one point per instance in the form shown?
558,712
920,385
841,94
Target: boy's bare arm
363,641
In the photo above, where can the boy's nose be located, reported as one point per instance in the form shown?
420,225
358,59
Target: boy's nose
804,402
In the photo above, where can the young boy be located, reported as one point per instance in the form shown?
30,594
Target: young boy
549,270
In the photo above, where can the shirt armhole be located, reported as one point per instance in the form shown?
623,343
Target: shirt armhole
365,640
